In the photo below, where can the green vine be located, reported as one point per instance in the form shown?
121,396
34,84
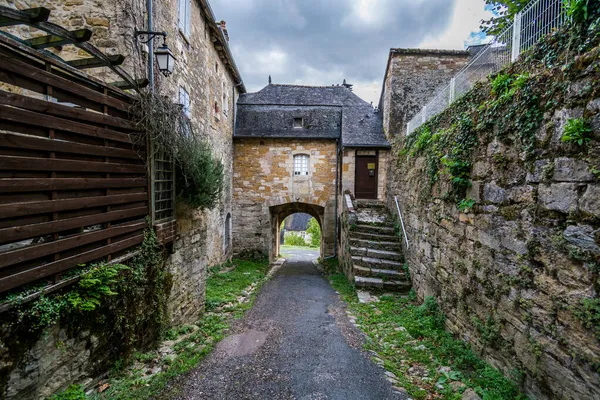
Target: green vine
199,173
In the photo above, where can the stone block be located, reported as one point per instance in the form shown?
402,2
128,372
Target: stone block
571,170
590,201
538,171
494,194
558,197
583,236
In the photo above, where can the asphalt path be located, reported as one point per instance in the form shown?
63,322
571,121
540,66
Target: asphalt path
295,343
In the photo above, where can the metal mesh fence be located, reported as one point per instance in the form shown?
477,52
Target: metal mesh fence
536,20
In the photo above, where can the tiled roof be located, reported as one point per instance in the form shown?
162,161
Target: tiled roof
327,111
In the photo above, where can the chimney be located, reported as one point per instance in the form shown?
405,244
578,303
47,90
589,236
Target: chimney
224,29
347,85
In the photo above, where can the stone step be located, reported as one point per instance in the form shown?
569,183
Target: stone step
376,263
368,203
375,253
372,236
381,284
379,273
375,244
380,230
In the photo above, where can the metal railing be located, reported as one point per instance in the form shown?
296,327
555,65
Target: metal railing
401,221
536,20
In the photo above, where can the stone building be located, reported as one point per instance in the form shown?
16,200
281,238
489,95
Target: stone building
296,149
207,83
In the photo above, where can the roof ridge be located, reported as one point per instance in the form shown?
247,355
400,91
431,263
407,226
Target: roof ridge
306,86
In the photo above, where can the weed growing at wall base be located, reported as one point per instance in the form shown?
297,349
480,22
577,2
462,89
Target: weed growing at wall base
411,341
225,285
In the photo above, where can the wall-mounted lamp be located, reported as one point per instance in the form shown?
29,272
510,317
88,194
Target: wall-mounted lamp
164,55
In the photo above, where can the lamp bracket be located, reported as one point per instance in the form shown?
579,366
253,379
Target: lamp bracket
149,35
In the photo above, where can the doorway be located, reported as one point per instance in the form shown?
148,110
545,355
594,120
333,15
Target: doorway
366,177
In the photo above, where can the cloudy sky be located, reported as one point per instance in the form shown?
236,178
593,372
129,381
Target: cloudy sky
321,42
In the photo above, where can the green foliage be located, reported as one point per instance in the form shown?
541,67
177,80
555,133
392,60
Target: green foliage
194,342
466,204
294,239
489,330
94,286
73,392
588,312
423,140
577,10
199,173
224,287
404,333
504,13
315,232
459,172
577,130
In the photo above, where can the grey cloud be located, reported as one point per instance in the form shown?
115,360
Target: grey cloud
325,39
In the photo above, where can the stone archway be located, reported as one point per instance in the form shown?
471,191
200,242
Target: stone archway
282,211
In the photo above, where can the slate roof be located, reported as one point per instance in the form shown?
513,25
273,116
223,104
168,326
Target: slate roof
329,112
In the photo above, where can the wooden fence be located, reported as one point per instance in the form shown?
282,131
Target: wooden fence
73,187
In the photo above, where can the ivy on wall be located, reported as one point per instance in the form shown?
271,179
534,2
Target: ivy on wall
126,305
199,173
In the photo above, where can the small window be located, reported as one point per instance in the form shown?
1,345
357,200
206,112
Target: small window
185,11
216,107
298,122
184,100
225,99
300,164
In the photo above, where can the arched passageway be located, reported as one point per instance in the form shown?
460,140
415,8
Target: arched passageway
282,211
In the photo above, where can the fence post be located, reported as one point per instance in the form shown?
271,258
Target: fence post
452,89
516,37
424,114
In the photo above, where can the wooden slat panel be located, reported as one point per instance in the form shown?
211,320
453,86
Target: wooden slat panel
60,146
45,121
38,75
54,164
39,207
35,185
45,249
47,107
7,43
30,275
17,233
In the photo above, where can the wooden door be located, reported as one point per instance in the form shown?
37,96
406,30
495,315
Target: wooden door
365,184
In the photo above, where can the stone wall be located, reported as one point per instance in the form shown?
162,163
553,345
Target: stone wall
199,70
203,72
265,190
514,272
348,221
413,77
349,170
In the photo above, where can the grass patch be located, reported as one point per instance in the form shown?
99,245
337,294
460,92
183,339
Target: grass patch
192,342
407,334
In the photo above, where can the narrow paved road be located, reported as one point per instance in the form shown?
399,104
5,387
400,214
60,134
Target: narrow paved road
295,343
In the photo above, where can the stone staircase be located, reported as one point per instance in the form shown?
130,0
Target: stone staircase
376,252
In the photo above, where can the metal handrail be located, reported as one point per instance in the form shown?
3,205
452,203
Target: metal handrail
401,221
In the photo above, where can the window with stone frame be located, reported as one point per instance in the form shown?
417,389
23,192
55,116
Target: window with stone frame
301,164
185,12
298,122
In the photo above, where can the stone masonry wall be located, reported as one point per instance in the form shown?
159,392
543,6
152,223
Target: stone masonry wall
264,177
200,233
513,273
412,78
204,75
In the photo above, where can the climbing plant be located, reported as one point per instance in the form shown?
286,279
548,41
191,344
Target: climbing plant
199,173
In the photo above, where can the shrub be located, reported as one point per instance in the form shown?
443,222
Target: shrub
577,130
315,232
294,239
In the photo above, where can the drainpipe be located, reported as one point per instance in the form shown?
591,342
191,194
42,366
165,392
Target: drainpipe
150,47
337,174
